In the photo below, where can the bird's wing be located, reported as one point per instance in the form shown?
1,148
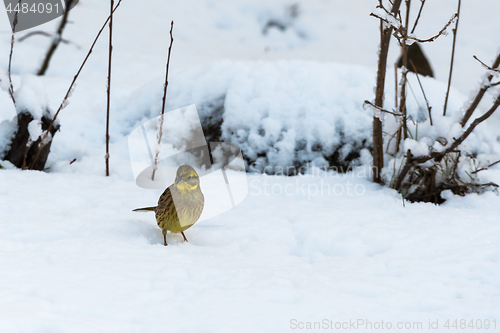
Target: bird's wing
165,198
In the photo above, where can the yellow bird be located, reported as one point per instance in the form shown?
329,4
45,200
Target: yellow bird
180,205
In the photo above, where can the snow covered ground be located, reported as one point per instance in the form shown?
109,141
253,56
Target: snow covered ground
75,258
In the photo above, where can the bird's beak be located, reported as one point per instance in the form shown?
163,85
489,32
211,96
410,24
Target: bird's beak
179,182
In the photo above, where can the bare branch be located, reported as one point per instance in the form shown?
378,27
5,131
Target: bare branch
439,155
496,70
416,101
56,40
389,14
383,19
381,6
378,149
160,133
440,33
429,108
404,171
396,94
110,50
381,109
480,94
64,103
11,87
402,102
418,16
486,168
452,58
43,33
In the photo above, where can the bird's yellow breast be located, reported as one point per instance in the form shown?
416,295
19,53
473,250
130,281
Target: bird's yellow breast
178,210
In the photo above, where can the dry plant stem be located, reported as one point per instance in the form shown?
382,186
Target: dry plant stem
480,94
381,109
399,32
472,126
160,133
439,34
109,83
63,103
489,166
43,33
452,58
418,16
418,104
402,104
405,170
486,66
378,143
56,40
438,156
389,143
11,87
429,108
398,140
396,85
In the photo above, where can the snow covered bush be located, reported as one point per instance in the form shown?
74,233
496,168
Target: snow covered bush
429,152
287,114
20,138
282,114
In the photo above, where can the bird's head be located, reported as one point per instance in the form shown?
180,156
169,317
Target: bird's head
186,179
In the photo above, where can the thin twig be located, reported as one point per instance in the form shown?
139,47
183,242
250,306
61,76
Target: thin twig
43,33
404,171
378,142
452,58
469,130
398,138
160,133
109,83
390,13
399,32
396,85
479,95
418,16
11,87
385,20
486,66
437,156
64,102
402,103
440,33
381,109
486,168
416,100
56,40
389,142
429,108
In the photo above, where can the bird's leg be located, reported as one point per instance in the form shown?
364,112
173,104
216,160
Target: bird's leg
165,240
185,239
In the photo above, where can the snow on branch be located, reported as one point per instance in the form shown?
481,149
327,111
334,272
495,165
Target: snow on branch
442,32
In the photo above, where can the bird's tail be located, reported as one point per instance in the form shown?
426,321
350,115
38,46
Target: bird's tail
145,209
